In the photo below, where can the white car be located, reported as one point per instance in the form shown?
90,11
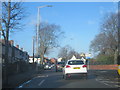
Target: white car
46,67
74,67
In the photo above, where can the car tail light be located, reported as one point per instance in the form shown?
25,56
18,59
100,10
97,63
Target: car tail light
84,66
68,66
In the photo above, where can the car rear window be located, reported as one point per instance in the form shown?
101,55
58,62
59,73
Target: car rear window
75,62
61,63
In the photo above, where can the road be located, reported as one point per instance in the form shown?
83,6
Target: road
52,79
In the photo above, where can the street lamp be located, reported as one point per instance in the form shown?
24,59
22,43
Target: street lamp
33,48
118,57
38,27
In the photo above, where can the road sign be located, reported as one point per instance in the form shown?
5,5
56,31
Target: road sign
88,55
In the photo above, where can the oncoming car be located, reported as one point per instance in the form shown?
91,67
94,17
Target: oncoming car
73,67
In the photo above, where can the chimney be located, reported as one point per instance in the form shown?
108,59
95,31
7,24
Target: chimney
17,46
12,42
22,49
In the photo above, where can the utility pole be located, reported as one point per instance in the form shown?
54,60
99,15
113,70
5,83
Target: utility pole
118,59
37,33
33,49
38,28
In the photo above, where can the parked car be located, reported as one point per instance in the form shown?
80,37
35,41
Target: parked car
53,65
74,67
47,67
60,66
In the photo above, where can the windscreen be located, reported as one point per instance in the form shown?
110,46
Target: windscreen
61,63
75,62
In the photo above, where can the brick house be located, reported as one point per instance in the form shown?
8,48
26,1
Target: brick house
15,54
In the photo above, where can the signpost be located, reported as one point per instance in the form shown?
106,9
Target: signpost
88,57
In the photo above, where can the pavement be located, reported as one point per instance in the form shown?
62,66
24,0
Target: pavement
17,79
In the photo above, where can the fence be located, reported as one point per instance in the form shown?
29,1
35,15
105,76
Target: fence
18,67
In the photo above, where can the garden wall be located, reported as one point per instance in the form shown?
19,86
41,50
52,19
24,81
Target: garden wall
103,67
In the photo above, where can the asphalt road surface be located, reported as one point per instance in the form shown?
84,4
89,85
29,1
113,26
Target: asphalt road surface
52,79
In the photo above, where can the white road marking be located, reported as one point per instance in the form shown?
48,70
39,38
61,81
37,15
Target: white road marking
21,86
103,71
106,84
106,81
41,76
41,82
117,85
103,83
110,82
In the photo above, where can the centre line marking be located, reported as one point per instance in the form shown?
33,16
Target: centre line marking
41,82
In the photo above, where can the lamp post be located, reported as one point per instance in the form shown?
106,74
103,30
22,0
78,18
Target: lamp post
33,48
118,58
38,28
38,25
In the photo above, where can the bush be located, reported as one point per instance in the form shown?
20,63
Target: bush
105,59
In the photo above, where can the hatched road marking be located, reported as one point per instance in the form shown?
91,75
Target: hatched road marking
103,82
108,82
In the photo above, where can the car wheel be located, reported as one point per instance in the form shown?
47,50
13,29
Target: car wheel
66,77
63,76
86,76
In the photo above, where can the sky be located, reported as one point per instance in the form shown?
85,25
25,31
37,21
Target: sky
80,22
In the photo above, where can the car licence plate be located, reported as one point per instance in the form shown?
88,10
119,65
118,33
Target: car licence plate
76,68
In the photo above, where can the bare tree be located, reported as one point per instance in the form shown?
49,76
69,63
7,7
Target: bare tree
73,52
64,52
12,14
67,52
106,41
99,43
48,38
